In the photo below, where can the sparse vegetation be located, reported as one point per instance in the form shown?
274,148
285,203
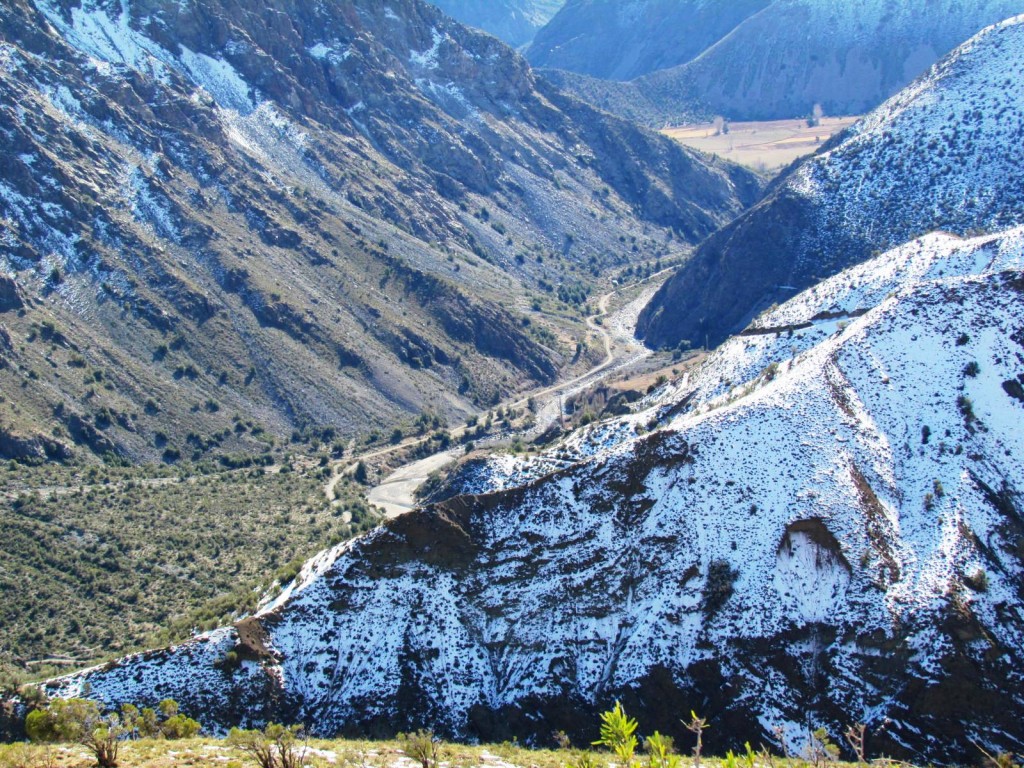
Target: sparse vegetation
109,549
276,746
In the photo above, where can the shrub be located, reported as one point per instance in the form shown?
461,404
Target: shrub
79,721
618,734
660,753
276,746
422,747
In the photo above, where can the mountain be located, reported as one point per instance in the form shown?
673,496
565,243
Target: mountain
296,218
942,154
514,21
819,526
775,61
622,41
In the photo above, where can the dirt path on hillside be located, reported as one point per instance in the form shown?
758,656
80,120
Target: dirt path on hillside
397,492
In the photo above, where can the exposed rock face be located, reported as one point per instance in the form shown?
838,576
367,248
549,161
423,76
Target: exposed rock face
243,208
514,21
622,41
767,60
789,546
10,295
941,155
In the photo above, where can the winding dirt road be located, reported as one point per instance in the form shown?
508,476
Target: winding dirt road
396,494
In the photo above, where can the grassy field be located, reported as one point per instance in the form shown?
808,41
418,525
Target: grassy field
149,753
764,146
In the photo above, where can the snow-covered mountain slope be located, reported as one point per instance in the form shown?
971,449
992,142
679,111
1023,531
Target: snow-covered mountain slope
837,539
514,21
945,153
751,359
303,215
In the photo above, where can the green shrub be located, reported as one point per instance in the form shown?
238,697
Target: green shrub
276,746
618,734
79,721
421,746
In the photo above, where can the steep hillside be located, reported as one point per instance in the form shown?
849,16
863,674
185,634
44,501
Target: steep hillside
822,528
942,154
624,40
296,217
514,21
778,63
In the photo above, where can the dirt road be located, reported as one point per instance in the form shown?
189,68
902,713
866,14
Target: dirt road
397,492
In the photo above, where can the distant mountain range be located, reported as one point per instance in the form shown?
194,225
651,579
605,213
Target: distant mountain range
301,217
625,40
753,60
514,21
944,154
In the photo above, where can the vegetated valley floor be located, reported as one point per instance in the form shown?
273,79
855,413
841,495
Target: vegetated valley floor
121,558
766,146
98,561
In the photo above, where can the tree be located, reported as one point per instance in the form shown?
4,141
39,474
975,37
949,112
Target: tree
360,475
814,119
79,721
276,746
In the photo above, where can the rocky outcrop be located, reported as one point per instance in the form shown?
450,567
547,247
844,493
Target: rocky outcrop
514,21
10,295
20,447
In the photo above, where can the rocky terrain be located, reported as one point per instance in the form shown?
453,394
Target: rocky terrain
222,225
819,526
941,155
765,60
514,21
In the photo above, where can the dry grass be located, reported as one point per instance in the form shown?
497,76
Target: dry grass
323,753
764,146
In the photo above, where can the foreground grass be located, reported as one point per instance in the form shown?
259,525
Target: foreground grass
148,753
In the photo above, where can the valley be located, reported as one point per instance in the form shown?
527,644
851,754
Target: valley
541,411
766,146
356,374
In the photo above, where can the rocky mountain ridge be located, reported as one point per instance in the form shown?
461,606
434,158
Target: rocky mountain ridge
220,225
814,531
940,155
623,41
514,21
